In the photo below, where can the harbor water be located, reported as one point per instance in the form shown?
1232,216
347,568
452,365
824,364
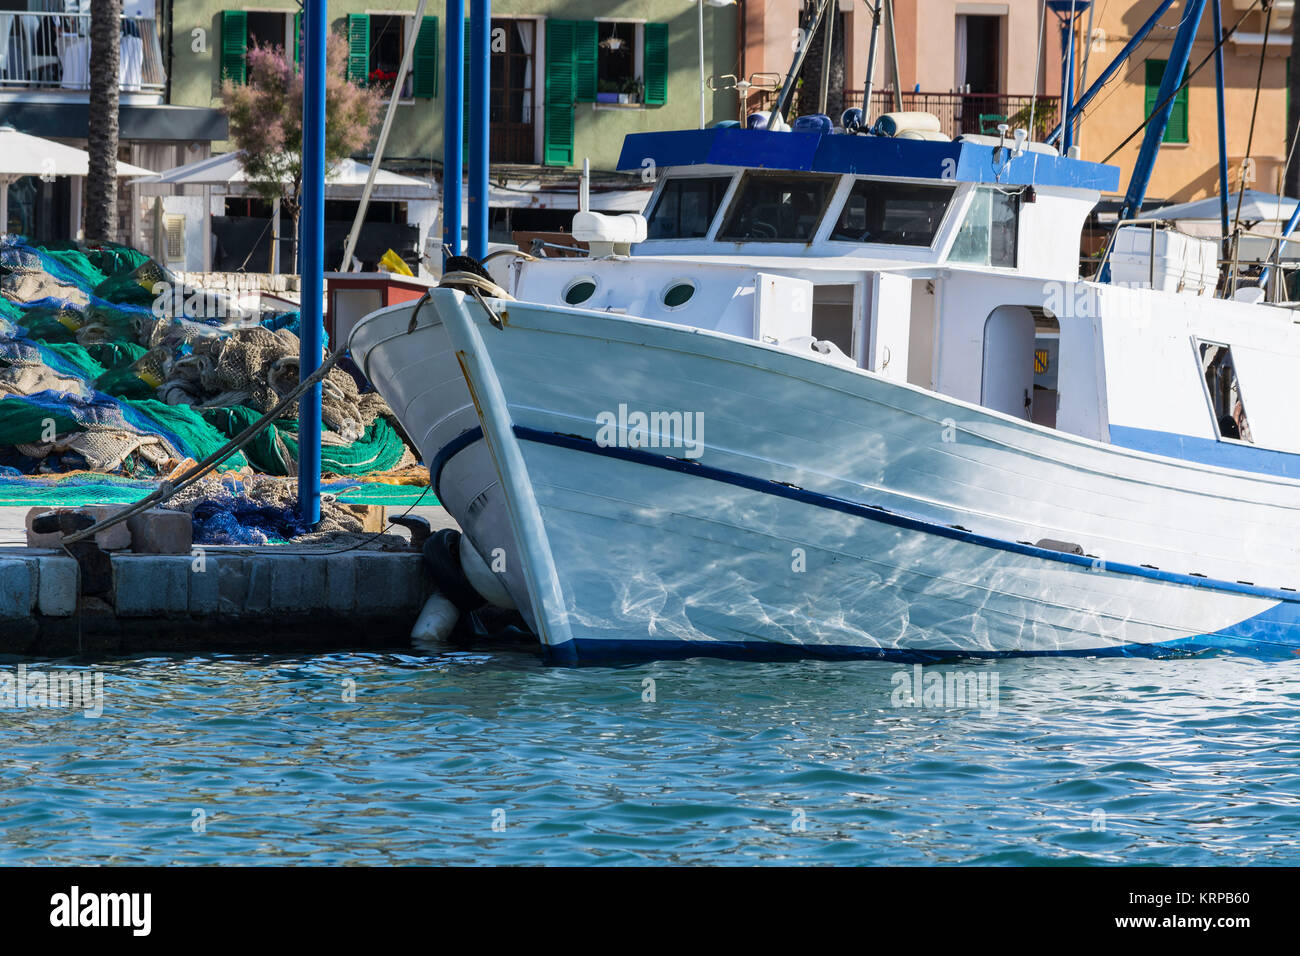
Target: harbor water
494,758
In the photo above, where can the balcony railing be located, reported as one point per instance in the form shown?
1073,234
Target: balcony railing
968,112
51,51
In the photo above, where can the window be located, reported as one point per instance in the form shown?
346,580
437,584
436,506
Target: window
241,29
267,29
513,77
779,208
375,46
979,57
686,207
1176,130
900,214
616,59
581,55
1225,391
989,234
386,47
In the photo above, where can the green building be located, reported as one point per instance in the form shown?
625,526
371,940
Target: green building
569,78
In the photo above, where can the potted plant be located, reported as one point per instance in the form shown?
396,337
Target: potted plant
630,92
607,91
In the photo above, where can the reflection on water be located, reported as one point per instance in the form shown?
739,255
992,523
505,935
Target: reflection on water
493,758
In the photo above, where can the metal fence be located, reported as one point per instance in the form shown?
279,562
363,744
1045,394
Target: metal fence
968,112
52,51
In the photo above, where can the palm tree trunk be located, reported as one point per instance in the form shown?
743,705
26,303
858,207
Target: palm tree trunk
101,178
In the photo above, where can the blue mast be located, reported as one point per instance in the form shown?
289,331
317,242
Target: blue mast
1155,131
1223,120
453,126
311,257
480,33
1087,96
1067,11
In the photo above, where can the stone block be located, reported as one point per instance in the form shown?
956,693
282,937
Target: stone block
18,587
56,586
159,531
150,585
116,538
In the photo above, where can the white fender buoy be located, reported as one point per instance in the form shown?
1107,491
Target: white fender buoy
436,621
482,578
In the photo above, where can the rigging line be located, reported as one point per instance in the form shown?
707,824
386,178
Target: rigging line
1038,64
1183,85
1254,110
1136,62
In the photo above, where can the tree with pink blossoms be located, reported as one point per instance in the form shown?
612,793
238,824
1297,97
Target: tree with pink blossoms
265,117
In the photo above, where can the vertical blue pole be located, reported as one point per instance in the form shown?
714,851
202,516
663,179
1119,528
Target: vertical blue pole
1179,54
453,125
1087,95
311,257
480,38
1223,122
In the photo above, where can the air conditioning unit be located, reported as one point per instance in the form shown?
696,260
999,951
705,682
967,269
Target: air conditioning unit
174,240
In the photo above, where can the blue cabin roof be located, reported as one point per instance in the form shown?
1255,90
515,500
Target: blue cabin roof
862,156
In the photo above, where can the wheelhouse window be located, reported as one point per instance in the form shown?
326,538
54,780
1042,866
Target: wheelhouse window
989,234
777,208
899,214
686,207
1225,391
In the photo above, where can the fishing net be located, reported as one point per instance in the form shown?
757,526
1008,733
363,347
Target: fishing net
275,450
81,488
96,375
258,509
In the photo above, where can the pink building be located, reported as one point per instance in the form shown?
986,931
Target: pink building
971,63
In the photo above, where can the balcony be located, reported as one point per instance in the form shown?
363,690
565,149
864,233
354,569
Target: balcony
961,113
51,52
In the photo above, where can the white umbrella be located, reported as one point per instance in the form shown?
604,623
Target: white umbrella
345,176
1256,206
23,155
1262,216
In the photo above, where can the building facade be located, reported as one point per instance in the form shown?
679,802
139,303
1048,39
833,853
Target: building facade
569,77
1188,164
44,79
974,64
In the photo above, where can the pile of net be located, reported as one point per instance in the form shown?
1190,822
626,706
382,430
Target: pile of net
247,509
109,365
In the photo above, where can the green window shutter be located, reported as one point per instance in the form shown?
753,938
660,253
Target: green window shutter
358,48
234,46
656,64
557,149
1177,130
425,65
297,37
584,61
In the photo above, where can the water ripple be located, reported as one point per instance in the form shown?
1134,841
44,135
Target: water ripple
493,758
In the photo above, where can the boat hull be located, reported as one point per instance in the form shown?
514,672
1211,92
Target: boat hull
405,351
828,512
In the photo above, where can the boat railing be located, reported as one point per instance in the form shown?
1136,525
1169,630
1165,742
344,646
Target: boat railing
1233,269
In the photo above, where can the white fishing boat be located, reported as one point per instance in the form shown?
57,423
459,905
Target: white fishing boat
858,402
844,393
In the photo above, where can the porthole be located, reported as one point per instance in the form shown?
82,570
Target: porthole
579,291
678,293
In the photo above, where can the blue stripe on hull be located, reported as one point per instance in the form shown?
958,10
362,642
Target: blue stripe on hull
603,651
1272,634
1207,451
874,513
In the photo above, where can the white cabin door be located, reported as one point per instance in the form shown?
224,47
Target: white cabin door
1008,378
